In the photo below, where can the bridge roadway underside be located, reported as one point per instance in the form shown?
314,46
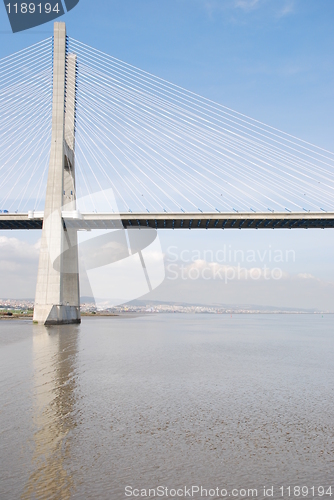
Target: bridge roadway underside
291,220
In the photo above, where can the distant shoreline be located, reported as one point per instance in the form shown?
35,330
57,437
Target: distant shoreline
30,316
6,317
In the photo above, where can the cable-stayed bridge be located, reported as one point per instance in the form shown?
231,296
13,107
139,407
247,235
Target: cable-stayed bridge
130,150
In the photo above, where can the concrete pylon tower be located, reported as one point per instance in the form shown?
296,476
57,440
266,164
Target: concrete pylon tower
57,298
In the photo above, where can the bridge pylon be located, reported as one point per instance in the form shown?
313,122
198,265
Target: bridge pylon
57,299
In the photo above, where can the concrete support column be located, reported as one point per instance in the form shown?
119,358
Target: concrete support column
71,294
57,291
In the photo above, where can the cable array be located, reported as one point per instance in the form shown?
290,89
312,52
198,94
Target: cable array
157,146
163,148
25,126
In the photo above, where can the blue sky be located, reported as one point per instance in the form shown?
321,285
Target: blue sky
269,59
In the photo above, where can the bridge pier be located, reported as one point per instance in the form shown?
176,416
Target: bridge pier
57,299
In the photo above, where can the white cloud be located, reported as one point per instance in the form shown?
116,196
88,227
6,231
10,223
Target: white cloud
305,276
201,269
207,270
18,267
277,8
12,249
286,9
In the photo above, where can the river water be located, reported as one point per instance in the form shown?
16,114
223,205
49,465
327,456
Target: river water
177,401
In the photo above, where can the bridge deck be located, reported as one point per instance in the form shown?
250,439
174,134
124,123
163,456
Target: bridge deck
214,220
